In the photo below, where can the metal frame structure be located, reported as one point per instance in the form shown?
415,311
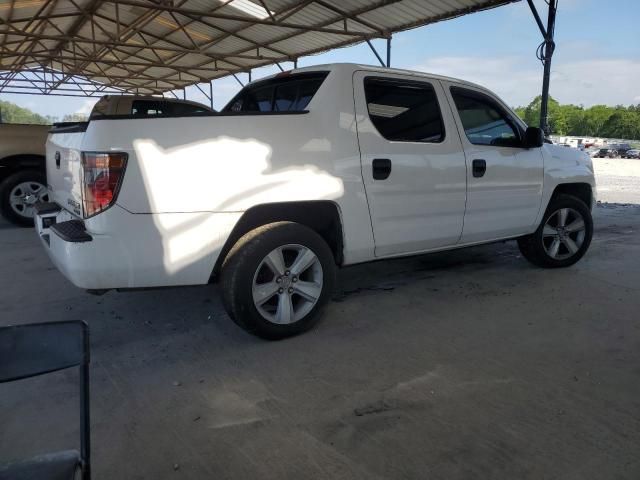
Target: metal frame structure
545,53
153,47
94,47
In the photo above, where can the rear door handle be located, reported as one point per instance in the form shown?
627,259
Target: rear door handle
381,168
478,168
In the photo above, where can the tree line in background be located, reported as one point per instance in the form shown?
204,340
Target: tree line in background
597,121
12,113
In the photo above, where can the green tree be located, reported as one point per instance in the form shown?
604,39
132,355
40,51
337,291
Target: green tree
12,113
75,117
595,121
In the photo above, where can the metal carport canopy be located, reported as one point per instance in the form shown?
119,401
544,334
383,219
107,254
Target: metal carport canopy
154,46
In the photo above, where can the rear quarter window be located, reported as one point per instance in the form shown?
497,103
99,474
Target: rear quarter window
291,93
148,108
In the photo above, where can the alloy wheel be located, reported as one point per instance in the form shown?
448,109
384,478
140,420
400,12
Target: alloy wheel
25,195
287,284
563,233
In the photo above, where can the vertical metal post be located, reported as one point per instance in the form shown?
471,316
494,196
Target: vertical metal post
249,76
184,93
211,92
549,47
389,52
295,63
85,412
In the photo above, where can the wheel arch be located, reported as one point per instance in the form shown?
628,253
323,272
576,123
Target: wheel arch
15,163
580,190
322,216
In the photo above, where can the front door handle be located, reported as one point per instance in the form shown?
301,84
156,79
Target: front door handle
478,168
381,168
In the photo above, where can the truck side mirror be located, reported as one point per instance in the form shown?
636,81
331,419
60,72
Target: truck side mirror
533,137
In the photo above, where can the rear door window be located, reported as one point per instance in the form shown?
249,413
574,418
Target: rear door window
404,111
291,93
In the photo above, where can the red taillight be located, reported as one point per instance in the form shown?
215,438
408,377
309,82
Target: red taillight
101,177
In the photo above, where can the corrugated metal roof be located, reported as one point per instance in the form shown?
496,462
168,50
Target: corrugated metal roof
152,46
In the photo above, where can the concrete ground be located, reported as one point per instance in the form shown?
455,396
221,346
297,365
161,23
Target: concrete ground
462,365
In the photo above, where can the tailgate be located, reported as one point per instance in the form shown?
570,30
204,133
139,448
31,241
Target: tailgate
64,167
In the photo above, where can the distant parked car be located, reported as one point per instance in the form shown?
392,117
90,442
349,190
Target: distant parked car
592,152
633,153
621,148
607,153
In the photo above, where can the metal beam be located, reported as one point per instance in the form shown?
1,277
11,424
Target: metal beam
95,41
373,49
165,7
545,54
389,52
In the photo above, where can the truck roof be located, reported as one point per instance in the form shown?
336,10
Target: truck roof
353,67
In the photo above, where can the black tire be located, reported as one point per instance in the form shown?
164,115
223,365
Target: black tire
8,185
532,247
242,263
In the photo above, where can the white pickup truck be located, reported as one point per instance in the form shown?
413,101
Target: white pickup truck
302,172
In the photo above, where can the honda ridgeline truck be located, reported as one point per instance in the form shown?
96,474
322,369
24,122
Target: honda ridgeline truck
303,172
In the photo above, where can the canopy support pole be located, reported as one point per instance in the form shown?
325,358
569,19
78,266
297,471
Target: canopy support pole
375,52
545,53
238,80
389,52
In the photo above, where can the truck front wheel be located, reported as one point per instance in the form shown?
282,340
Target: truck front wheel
564,235
277,278
19,193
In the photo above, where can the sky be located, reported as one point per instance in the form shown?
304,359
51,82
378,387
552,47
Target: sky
597,57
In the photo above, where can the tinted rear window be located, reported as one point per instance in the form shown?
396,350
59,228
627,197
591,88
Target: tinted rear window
281,94
144,108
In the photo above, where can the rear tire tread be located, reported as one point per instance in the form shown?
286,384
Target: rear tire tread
239,266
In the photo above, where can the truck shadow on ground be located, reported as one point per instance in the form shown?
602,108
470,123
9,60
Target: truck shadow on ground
162,316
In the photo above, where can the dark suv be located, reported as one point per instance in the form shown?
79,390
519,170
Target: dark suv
606,153
621,148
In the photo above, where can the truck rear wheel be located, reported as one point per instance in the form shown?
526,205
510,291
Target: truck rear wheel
19,193
276,280
563,237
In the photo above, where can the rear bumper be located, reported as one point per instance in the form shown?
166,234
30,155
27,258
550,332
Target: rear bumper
118,249
71,249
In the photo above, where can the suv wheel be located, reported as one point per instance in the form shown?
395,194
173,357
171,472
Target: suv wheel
276,279
563,237
19,193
